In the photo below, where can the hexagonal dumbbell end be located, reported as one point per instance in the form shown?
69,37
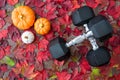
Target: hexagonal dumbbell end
99,57
100,27
58,49
82,15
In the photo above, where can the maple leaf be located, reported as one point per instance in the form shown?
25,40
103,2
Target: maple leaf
30,48
42,75
67,5
116,50
3,34
2,13
12,2
76,32
56,26
49,36
7,50
91,3
102,3
81,76
39,3
75,4
84,66
28,73
14,34
18,53
2,22
114,41
118,22
66,20
75,73
43,56
58,63
63,75
2,3
61,11
3,67
72,65
43,44
83,50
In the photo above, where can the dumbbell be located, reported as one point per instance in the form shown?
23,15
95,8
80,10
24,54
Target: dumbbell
100,30
58,47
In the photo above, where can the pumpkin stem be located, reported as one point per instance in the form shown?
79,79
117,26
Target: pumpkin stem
26,37
41,25
21,16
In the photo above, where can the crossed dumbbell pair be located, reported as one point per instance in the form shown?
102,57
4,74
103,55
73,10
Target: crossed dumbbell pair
96,28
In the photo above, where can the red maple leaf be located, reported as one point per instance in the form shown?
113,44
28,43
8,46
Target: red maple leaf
2,52
43,56
63,75
42,75
49,36
76,32
30,48
2,22
84,66
118,22
39,3
58,63
3,34
14,34
91,3
18,53
2,13
83,50
114,41
76,4
102,3
116,50
7,50
65,20
67,30
43,44
29,72
3,68
115,60
72,65
55,26
12,2
2,3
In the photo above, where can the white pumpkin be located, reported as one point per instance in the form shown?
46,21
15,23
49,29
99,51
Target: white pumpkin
28,37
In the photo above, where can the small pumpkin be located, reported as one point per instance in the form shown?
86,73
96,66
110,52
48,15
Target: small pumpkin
27,37
23,17
42,26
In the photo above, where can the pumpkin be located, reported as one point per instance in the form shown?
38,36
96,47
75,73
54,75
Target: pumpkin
27,37
23,17
42,26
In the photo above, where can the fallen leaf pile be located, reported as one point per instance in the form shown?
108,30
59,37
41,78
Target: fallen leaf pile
19,61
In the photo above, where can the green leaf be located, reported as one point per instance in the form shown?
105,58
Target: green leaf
9,61
53,77
96,72
19,4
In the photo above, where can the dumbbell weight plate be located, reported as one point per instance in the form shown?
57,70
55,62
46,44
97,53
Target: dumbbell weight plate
58,49
100,27
82,15
99,57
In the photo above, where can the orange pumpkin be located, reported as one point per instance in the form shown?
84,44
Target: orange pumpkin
23,17
42,26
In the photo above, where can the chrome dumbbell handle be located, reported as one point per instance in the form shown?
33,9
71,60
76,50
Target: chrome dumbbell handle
79,38
88,35
91,38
